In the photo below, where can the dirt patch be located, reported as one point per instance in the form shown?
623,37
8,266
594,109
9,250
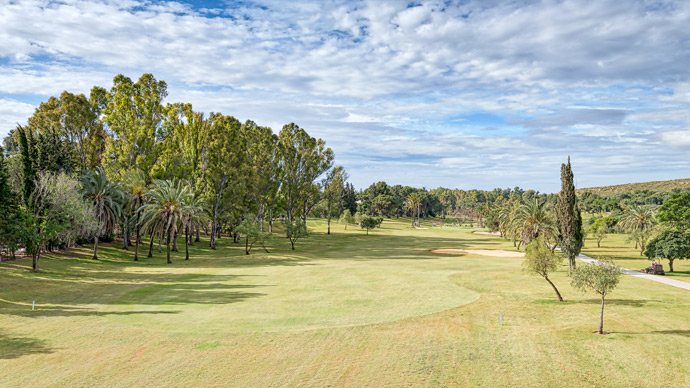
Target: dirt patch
421,228
482,252
489,233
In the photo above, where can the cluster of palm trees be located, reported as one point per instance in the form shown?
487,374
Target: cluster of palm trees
163,209
525,222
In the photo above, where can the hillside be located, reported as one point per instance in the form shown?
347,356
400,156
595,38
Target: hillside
661,186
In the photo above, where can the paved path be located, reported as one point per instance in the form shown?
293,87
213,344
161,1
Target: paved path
637,274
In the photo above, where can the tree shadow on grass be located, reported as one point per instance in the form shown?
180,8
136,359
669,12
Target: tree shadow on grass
15,347
684,333
73,312
618,302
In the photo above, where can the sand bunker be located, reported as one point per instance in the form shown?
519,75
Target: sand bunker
482,252
489,233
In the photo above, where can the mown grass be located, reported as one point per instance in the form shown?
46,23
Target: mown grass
342,310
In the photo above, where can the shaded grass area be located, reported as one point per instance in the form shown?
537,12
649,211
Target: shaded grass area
343,310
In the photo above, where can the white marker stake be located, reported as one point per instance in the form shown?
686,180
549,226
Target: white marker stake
32,305
501,319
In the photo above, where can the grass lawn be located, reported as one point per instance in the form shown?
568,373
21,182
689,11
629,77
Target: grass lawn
342,310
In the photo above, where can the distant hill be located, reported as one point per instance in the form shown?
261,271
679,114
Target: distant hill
660,186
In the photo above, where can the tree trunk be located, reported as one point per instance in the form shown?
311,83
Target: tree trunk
151,245
160,241
601,318
167,244
186,243
246,244
213,234
571,263
95,248
136,244
560,299
329,220
125,235
670,265
34,264
198,234
174,248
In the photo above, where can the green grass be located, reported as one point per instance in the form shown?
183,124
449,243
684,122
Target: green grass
342,310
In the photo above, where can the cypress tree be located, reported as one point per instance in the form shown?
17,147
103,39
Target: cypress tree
569,217
29,174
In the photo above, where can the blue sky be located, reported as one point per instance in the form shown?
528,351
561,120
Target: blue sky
468,94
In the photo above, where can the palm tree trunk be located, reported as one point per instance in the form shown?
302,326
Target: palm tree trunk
174,248
186,245
151,245
167,244
198,234
95,247
136,244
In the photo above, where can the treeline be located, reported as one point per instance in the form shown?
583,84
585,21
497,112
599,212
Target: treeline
122,162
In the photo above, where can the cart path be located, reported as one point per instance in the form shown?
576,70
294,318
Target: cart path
637,274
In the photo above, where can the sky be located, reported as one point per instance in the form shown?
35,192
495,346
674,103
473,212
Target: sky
459,94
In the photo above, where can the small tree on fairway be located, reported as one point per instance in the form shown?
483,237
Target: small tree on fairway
569,217
346,218
601,277
540,260
370,223
295,229
252,234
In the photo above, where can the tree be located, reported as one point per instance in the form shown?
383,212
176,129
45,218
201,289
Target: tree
193,215
107,199
57,213
165,209
413,201
675,212
303,159
540,260
28,172
333,185
346,218
11,216
252,235
670,245
601,277
135,188
532,220
134,117
569,217
639,220
295,230
370,223
601,227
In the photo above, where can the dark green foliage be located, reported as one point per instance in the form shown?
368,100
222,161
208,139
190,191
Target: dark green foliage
670,245
29,174
569,218
676,212
370,223
350,198
11,215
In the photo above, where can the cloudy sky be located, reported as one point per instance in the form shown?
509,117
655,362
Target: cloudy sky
468,94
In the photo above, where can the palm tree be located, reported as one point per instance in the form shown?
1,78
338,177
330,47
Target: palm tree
107,199
412,202
532,220
639,220
165,209
135,186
